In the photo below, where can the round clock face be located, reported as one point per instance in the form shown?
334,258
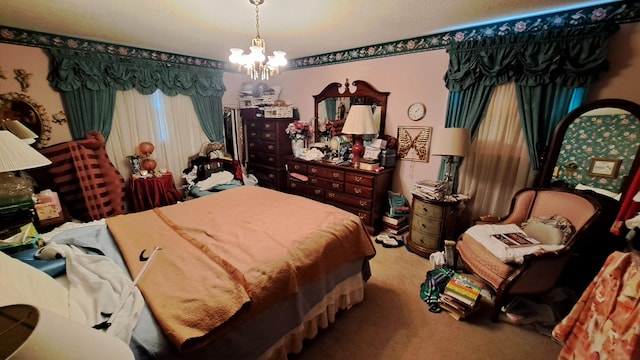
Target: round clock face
417,111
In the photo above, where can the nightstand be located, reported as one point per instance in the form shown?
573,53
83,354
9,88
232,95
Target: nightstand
148,193
431,222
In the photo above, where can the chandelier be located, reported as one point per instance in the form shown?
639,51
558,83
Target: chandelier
254,63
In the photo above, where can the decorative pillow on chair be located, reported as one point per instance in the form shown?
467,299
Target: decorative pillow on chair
549,230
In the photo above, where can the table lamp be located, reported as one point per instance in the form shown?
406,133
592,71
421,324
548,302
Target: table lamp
19,130
16,155
359,122
451,142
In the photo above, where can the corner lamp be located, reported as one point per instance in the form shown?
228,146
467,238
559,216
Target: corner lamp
16,155
254,62
359,122
451,142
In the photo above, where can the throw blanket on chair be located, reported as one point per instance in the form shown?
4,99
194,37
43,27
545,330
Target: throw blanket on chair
86,181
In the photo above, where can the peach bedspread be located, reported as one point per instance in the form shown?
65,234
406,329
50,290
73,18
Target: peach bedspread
233,254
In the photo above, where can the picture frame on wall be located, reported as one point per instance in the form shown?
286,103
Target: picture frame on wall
414,142
605,168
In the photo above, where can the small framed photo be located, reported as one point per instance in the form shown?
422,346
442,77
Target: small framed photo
606,168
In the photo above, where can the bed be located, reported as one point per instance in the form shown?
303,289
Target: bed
247,273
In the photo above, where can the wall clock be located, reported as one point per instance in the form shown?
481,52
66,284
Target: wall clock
417,111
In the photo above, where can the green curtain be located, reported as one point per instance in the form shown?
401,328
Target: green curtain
548,67
72,70
208,109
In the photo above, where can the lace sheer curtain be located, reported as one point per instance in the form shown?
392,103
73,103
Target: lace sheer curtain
168,122
498,164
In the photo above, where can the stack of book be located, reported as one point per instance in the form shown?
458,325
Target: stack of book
395,224
460,296
429,189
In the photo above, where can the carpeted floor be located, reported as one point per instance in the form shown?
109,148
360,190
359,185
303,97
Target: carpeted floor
394,323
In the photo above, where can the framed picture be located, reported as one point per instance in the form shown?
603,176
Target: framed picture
414,143
606,168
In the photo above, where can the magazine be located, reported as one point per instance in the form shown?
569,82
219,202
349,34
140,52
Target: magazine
515,239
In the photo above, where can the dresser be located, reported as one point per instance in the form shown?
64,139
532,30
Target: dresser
360,192
431,222
267,147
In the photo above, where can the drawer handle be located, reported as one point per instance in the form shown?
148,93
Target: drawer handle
335,186
362,216
271,159
252,125
314,181
358,178
425,209
332,195
293,185
271,176
314,170
423,226
253,156
268,136
271,147
357,190
267,126
363,203
254,134
297,167
318,191
336,175
252,144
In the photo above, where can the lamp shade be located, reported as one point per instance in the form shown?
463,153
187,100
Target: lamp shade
35,333
359,121
15,154
451,142
22,132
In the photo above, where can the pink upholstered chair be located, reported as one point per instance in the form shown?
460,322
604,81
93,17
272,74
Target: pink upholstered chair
539,272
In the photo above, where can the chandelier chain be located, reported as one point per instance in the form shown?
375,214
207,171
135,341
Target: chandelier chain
257,23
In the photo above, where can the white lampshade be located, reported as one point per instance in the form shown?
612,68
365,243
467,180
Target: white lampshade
15,154
359,121
22,132
28,332
451,142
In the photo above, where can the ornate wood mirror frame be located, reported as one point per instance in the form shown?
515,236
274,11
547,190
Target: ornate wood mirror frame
332,106
17,106
602,135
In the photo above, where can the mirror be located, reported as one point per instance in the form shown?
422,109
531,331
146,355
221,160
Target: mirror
333,102
16,106
596,146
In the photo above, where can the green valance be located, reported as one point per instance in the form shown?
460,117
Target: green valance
571,58
73,69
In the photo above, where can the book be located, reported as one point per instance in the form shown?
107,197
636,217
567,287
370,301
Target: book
457,310
395,226
369,166
515,239
400,230
463,289
388,219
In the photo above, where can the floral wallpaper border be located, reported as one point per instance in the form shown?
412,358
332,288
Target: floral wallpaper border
620,12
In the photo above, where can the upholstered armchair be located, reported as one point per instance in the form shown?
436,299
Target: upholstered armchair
538,272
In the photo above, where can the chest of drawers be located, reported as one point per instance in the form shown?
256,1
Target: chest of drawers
267,146
431,222
360,192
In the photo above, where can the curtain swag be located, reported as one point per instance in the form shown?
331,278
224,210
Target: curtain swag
571,58
73,69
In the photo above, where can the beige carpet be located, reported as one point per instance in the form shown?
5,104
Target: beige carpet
394,323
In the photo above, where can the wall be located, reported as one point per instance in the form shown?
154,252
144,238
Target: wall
409,78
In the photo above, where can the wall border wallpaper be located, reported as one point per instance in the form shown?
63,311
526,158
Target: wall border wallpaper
619,12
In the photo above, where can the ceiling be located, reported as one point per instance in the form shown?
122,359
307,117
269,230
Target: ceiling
208,28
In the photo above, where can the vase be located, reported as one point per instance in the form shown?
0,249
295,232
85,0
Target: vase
297,147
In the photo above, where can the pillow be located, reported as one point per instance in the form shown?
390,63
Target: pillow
24,284
549,230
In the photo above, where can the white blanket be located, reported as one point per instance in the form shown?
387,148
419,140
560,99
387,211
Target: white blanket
99,287
482,234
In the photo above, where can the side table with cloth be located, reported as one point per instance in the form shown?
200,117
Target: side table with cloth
151,192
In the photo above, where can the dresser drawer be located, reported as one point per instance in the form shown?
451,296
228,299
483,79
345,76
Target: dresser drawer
426,225
297,167
265,158
427,210
266,177
268,135
264,146
259,125
358,190
325,173
327,184
363,214
359,203
306,190
356,178
427,240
